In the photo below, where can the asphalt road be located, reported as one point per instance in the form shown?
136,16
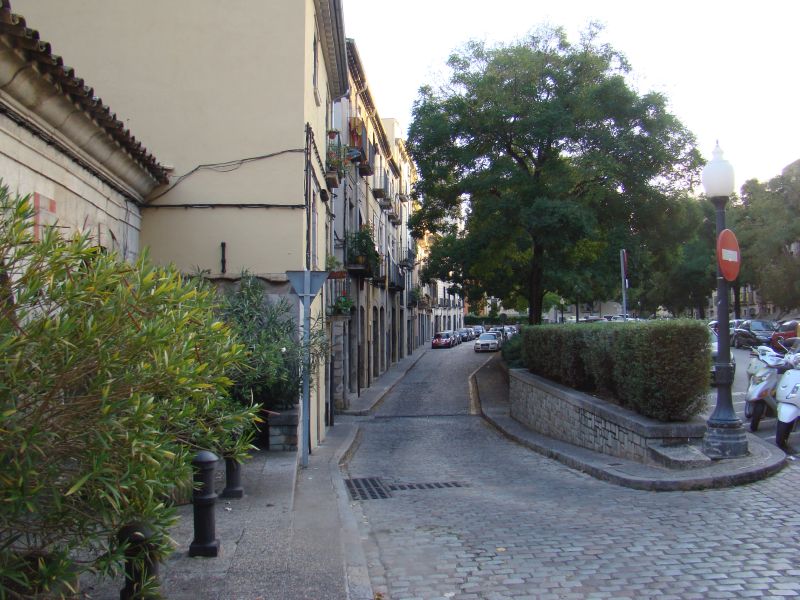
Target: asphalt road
469,515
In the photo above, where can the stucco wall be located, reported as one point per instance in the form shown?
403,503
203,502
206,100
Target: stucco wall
66,194
571,416
202,83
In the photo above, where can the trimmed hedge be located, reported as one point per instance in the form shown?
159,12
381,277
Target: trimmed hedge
660,369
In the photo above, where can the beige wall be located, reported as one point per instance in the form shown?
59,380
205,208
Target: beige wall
202,85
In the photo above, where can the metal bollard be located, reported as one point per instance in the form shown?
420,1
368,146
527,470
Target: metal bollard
233,480
204,498
141,564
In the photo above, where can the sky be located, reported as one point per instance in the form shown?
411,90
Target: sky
728,69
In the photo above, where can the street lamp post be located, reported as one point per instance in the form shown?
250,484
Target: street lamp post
725,436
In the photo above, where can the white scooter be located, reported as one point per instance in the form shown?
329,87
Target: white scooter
788,395
764,369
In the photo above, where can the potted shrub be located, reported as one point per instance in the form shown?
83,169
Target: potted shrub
341,306
334,267
334,164
361,249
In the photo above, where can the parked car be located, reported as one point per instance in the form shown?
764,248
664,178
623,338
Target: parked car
787,329
755,332
498,336
443,339
732,325
465,334
713,341
487,342
501,332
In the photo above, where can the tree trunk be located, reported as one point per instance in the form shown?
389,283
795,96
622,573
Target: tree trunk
535,291
737,300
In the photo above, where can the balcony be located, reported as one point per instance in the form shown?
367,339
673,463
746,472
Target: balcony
379,277
397,279
367,165
380,185
395,213
334,161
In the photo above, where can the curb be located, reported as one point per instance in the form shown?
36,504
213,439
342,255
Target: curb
356,571
763,462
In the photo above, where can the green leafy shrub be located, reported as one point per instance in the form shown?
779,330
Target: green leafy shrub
273,358
512,352
361,243
112,376
658,369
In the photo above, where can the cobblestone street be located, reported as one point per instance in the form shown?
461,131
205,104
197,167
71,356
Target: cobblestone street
510,523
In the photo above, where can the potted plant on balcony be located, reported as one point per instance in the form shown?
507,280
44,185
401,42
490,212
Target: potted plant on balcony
334,267
360,246
335,165
341,306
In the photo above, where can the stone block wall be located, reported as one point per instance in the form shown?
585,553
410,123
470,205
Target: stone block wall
583,420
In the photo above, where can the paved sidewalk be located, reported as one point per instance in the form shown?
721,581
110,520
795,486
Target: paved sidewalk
292,536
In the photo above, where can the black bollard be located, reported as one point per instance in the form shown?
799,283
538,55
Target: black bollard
233,479
141,563
204,498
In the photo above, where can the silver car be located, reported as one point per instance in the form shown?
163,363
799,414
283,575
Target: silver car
487,342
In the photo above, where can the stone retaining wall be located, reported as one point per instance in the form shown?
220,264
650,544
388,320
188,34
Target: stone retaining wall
571,416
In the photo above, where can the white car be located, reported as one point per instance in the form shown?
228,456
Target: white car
487,342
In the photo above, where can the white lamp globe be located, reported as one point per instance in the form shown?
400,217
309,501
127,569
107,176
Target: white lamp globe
717,175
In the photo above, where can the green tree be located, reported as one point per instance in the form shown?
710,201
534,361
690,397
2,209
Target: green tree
112,376
558,161
686,272
768,225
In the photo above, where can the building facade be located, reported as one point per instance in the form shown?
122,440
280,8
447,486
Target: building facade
236,101
62,146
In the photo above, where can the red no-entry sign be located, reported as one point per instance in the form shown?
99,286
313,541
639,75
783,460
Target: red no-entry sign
729,257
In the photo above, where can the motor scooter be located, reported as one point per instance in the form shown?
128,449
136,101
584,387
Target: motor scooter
764,369
788,395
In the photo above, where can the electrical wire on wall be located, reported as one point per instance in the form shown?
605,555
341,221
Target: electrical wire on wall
224,167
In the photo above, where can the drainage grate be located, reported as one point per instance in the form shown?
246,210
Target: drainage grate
425,486
366,488
373,488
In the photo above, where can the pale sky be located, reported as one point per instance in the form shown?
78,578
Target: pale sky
728,69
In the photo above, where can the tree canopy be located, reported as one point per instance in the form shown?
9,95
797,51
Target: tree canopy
768,228
555,163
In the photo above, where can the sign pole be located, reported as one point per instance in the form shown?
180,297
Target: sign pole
306,285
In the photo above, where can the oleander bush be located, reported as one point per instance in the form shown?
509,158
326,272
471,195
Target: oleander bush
112,375
659,369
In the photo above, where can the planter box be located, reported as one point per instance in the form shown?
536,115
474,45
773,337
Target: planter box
283,430
583,420
332,179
